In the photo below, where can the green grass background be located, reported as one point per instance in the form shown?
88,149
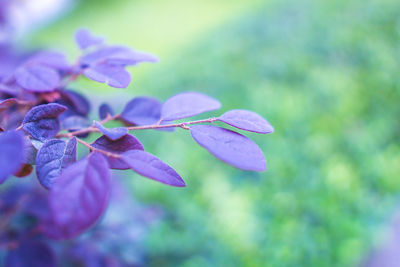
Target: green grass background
324,73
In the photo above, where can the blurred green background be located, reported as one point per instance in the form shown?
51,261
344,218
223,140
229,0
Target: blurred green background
324,73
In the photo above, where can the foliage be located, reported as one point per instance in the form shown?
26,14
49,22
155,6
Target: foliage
38,112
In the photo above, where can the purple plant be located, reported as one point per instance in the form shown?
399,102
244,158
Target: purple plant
41,123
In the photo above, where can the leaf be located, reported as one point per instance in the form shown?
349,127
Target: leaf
41,122
37,78
31,253
80,195
76,103
114,76
142,110
116,55
74,123
50,59
105,110
7,103
230,147
246,120
85,39
151,167
11,153
125,143
113,133
52,158
187,104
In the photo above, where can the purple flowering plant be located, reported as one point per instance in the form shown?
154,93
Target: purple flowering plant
42,121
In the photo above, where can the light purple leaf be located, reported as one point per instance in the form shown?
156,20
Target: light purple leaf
125,143
187,104
151,167
142,110
8,89
11,153
41,122
105,110
37,78
113,133
116,55
230,147
114,76
246,120
52,158
80,195
74,123
50,59
84,39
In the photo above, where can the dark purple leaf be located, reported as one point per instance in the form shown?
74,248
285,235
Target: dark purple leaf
151,167
7,103
50,59
76,103
113,133
105,110
37,78
80,195
230,147
11,153
54,156
84,39
142,110
125,143
246,120
31,253
114,76
187,104
116,55
41,122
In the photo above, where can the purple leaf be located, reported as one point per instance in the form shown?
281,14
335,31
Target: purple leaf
116,55
41,122
31,253
142,110
54,60
113,133
11,153
76,103
74,123
246,120
52,158
7,103
151,167
5,88
105,110
80,195
84,39
230,147
114,76
37,78
187,104
125,143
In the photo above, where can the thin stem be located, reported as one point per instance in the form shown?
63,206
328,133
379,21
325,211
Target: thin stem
182,125
92,148
90,129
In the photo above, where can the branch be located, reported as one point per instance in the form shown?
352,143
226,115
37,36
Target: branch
182,125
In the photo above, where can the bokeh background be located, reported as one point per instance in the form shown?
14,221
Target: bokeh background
326,74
